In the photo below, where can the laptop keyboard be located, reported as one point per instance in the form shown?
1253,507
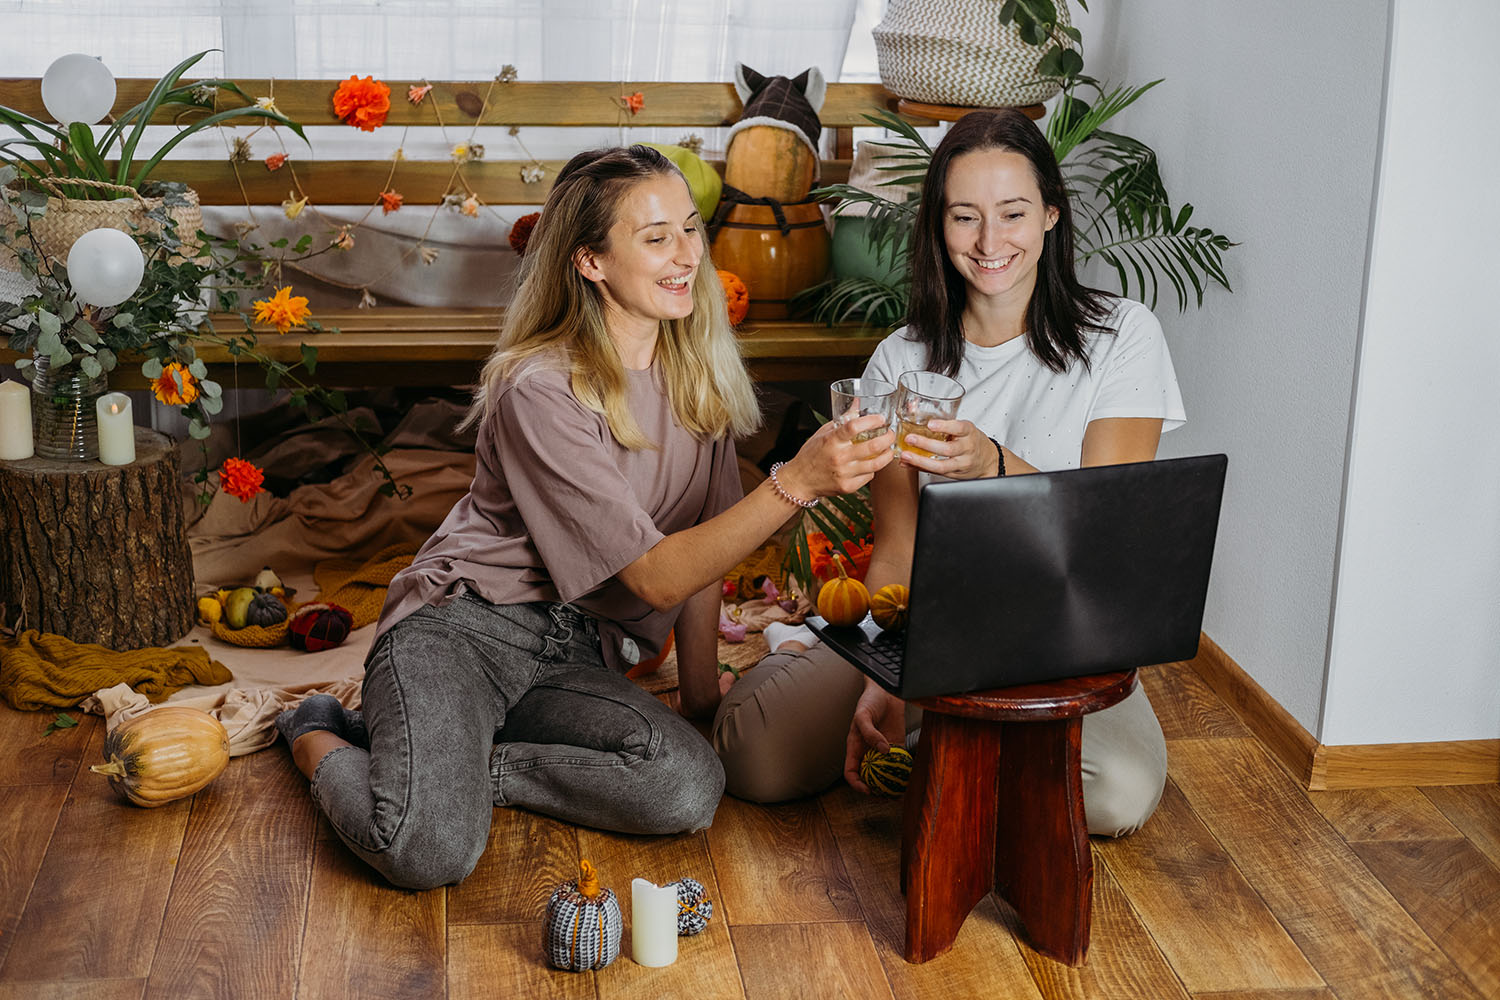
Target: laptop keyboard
889,650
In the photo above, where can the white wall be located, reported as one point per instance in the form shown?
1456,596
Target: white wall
1268,123
1416,638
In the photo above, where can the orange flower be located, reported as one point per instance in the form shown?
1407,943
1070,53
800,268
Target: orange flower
634,103
856,556
283,309
520,233
275,161
470,206
390,202
175,386
417,94
240,479
736,295
362,103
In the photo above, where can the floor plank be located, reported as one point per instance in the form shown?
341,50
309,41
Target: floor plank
1187,707
105,879
1123,960
1320,994
90,989
1474,809
527,857
29,755
1355,934
795,961
1453,893
365,939
1187,891
239,857
983,960
481,965
1383,814
705,965
28,815
779,864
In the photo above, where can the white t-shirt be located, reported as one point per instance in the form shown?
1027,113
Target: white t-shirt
1041,415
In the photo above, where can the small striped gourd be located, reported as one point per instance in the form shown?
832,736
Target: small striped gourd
843,600
888,606
164,755
886,773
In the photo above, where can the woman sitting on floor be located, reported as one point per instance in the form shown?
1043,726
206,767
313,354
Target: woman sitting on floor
1056,376
603,510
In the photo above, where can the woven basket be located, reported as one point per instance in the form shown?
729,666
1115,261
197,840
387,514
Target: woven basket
956,52
66,219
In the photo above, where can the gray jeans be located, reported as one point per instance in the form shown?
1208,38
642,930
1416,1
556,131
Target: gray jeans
474,704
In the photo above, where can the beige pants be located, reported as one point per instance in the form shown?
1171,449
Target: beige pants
781,732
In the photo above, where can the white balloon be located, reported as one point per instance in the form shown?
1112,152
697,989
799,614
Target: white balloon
78,88
105,267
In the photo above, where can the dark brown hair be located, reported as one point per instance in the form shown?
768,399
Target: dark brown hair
1062,310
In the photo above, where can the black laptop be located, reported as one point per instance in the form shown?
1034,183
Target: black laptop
1023,579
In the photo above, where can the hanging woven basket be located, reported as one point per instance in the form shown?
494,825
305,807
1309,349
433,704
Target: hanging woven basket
66,218
956,52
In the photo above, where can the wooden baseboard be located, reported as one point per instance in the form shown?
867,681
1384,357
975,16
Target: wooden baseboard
1324,768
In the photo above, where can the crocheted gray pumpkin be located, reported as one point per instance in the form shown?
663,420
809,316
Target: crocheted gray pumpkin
581,930
694,908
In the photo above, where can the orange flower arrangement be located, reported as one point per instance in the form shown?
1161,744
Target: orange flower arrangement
821,550
283,309
175,386
240,478
390,201
362,103
520,233
736,295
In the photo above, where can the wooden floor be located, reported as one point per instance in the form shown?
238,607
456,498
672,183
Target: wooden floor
1242,885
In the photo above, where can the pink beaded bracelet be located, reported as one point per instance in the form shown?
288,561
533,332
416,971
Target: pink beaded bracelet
781,490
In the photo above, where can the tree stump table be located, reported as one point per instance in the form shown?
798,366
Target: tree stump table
97,553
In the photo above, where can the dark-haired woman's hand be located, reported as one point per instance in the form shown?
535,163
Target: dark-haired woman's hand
960,451
832,462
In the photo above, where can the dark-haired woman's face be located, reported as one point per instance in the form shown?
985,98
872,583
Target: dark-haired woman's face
995,223
646,273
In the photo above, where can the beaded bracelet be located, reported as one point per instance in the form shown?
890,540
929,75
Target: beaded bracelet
781,490
1000,452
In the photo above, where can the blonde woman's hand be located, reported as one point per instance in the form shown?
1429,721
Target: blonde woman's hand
832,462
962,451
879,723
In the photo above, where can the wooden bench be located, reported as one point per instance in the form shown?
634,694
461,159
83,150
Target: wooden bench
432,346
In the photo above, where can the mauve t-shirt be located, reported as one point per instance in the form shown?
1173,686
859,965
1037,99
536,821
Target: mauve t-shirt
558,507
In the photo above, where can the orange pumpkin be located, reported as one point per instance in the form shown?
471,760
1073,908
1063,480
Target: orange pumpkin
843,600
736,296
888,606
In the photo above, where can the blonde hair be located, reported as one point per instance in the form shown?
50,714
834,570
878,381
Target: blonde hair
557,316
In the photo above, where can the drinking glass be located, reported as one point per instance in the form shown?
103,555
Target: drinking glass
920,397
858,397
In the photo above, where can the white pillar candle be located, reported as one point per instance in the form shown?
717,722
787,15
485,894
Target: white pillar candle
653,923
15,421
116,429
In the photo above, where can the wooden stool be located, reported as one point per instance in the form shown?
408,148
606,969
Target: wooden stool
996,803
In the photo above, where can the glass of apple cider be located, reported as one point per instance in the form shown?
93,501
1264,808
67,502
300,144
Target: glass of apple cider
920,397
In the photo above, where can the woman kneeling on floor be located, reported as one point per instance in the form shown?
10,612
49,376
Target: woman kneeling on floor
606,506
1056,376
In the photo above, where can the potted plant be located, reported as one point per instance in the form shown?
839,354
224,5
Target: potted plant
89,181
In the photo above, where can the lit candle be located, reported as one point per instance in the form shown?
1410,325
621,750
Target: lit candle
653,923
15,421
116,429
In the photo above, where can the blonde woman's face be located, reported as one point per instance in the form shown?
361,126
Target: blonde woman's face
995,223
655,245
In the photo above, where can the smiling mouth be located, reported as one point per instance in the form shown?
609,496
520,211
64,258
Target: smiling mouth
675,284
993,265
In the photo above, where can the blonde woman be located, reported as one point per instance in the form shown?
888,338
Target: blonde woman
606,507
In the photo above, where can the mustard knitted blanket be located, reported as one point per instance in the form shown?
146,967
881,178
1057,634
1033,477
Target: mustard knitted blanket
40,670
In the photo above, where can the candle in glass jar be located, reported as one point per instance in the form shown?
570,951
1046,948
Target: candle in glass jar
15,421
116,429
653,923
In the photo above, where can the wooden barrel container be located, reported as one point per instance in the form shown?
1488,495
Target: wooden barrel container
765,161
773,265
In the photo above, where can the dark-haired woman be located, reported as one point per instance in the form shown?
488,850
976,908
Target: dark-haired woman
606,508
1056,376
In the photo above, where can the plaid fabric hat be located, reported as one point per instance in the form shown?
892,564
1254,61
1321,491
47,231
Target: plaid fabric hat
782,102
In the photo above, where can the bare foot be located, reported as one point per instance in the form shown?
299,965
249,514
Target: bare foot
726,681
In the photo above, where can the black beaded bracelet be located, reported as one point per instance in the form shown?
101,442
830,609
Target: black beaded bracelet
1000,455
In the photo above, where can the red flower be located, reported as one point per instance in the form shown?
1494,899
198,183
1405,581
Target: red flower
275,161
362,103
856,556
634,103
390,201
520,233
240,479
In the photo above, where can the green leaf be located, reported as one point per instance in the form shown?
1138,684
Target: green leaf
211,404
210,388
49,323
61,721
273,378
152,368
91,367
309,358
122,320
198,430
198,369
